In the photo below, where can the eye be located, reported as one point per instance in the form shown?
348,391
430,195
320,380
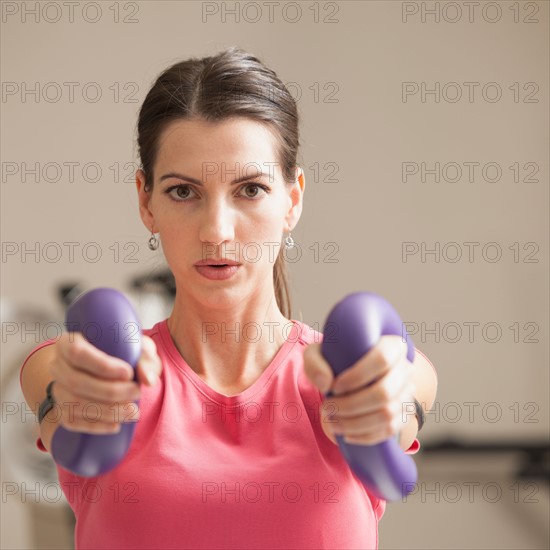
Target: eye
181,192
265,189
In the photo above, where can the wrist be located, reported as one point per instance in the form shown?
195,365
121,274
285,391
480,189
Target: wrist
47,404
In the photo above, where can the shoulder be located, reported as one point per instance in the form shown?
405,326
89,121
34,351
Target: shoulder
305,333
155,332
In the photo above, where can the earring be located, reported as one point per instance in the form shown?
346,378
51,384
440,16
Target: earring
153,241
289,241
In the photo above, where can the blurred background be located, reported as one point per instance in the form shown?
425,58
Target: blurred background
425,139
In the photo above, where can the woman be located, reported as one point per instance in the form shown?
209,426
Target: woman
233,448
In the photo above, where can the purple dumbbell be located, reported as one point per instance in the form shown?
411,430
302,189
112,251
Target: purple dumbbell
353,327
107,320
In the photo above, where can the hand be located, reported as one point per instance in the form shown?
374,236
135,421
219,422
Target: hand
365,415
94,391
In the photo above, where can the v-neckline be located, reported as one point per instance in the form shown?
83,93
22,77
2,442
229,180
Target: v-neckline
247,393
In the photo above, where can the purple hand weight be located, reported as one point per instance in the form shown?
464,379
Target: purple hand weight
108,321
353,327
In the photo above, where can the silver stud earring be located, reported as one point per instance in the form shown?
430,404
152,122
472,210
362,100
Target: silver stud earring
289,241
153,242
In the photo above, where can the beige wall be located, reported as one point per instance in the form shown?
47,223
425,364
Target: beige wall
360,62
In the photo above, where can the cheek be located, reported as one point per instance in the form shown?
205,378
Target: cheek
266,221
176,241
262,236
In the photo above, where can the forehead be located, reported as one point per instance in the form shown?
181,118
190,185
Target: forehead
187,145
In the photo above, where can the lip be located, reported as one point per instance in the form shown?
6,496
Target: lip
217,273
221,261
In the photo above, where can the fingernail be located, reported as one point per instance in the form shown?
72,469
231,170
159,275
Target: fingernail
151,378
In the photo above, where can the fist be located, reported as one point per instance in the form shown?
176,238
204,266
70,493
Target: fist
95,391
369,398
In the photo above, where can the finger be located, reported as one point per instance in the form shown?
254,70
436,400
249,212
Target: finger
93,412
391,384
372,398
77,409
372,438
372,366
388,419
78,412
316,368
80,353
149,366
359,402
148,347
85,386
377,433
364,425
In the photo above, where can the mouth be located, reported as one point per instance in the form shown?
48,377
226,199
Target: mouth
217,271
217,263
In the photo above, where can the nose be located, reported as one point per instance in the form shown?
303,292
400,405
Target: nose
217,225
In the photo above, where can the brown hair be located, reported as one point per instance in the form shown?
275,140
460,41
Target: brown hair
232,83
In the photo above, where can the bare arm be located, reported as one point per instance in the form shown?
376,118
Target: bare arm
34,379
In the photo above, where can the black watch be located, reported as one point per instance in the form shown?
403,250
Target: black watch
420,414
48,404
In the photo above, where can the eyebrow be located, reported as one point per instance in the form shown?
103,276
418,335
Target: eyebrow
198,182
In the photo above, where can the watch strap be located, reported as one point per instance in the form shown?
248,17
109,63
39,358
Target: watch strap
48,404
420,414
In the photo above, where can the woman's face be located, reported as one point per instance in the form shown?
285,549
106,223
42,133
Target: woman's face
213,217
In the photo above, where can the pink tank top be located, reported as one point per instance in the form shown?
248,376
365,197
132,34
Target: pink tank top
205,470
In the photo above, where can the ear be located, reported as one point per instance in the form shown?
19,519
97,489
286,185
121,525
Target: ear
144,198
296,197
301,179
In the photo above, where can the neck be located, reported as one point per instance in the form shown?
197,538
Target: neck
228,347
